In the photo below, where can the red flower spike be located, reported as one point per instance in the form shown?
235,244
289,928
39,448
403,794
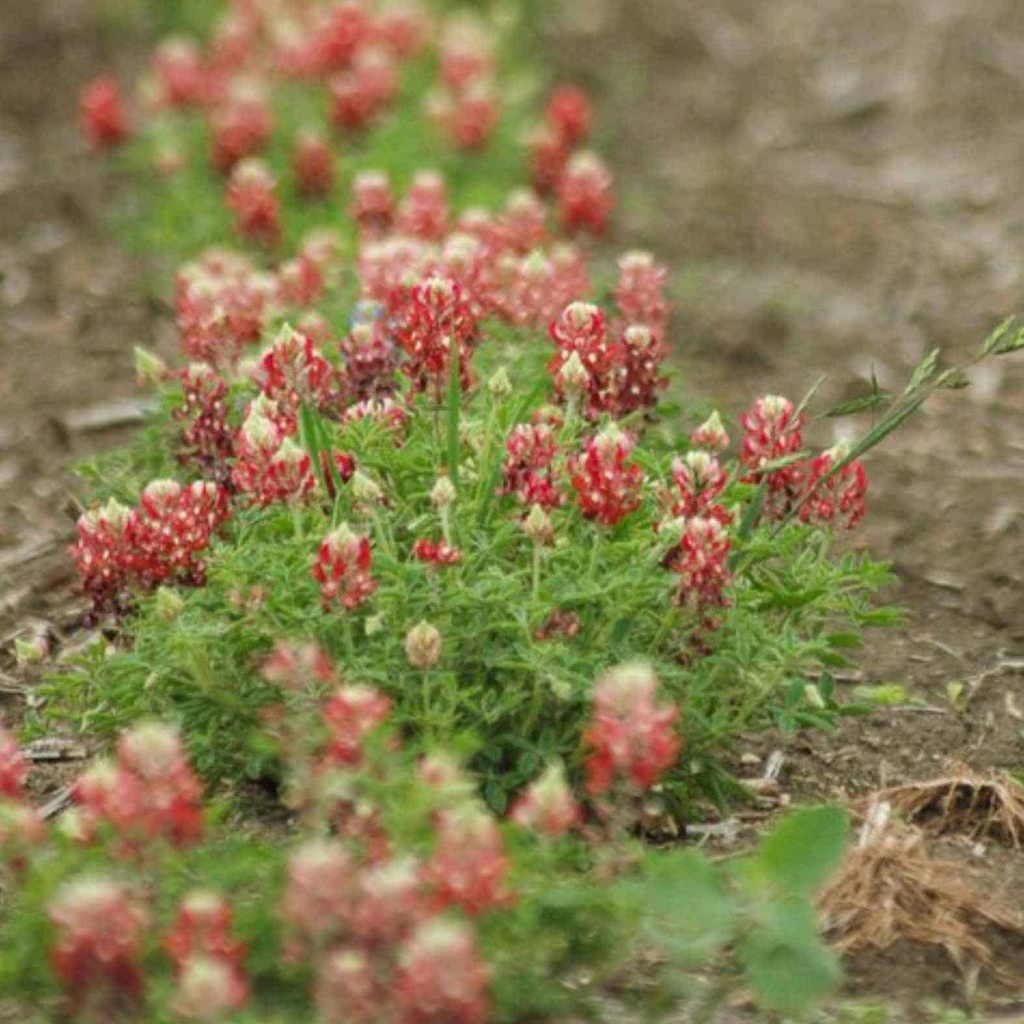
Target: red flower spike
351,715
640,292
437,318
181,78
547,805
242,126
373,203
839,496
581,331
208,988
711,434
569,115
424,212
348,988
467,53
223,305
402,27
13,768
606,485
640,379
439,553
631,739
371,361
585,194
101,114
389,903
207,442
549,156
313,165
343,569
528,472
468,868
441,977
700,480
203,928
774,431
97,951
320,890
292,372
701,560
300,283
251,196
473,117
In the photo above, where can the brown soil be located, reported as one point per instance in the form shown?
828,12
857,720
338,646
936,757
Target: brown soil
838,186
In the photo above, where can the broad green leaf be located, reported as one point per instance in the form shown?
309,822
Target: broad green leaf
683,906
800,853
784,961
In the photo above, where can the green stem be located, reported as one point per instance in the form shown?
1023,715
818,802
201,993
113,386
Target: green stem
536,571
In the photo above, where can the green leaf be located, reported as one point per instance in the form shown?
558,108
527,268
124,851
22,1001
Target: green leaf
800,853
855,405
1001,340
922,371
683,906
784,961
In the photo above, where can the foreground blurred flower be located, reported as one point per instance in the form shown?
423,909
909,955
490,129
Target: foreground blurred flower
547,805
97,951
441,978
631,739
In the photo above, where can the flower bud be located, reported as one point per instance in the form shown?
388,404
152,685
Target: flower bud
365,490
537,526
711,433
169,604
444,494
500,386
374,624
423,645
149,368
573,376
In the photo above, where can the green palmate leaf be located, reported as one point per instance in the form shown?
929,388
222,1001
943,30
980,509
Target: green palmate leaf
800,853
784,961
922,371
685,910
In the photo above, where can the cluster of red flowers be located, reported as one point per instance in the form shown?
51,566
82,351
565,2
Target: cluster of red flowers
122,549
208,962
21,828
149,793
343,569
602,369
466,106
251,197
818,490
529,466
607,484
631,740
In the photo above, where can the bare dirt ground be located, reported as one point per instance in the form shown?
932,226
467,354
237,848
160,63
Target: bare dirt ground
841,184
72,304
